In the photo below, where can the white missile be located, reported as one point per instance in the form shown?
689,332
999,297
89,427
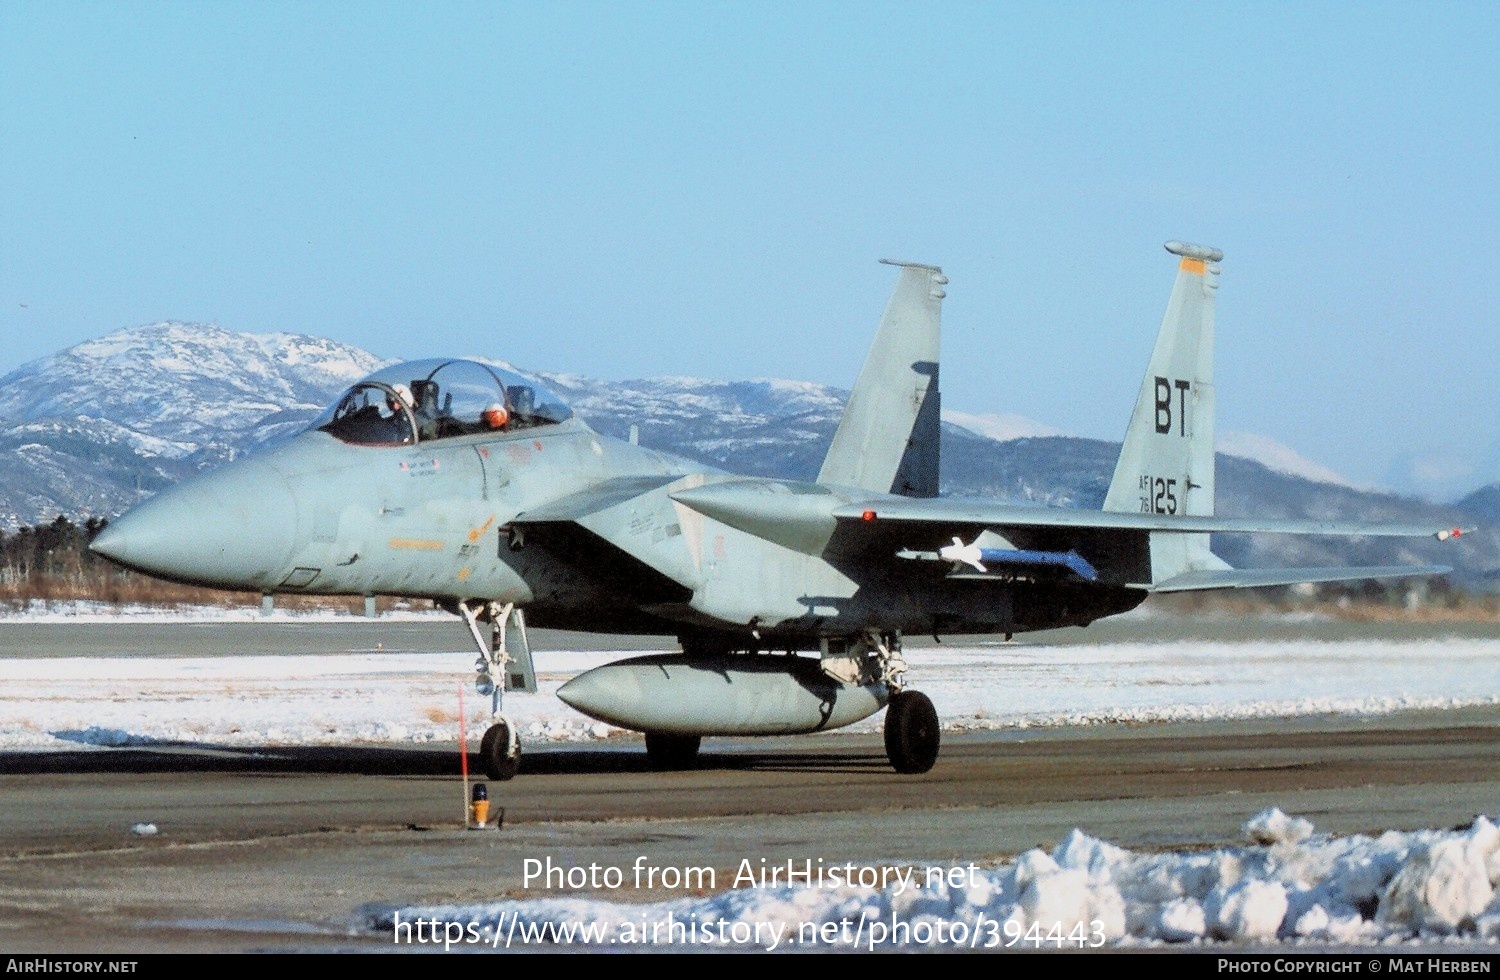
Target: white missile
736,694
975,556
960,553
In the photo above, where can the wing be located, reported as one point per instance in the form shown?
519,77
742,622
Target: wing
615,533
1123,548
975,512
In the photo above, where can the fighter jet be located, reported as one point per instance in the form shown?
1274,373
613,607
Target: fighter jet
475,487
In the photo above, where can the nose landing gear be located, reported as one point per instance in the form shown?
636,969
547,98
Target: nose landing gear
500,751
501,667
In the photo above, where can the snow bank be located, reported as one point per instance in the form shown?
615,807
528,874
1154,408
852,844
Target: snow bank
1289,886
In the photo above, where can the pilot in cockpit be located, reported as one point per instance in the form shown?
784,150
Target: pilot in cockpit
426,411
369,423
523,399
402,396
439,400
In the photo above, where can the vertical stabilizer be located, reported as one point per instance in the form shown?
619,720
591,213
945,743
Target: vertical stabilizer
887,440
1166,463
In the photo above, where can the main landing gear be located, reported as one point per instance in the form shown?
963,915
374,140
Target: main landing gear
912,731
501,666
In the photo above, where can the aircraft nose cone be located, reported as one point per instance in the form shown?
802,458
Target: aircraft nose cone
232,528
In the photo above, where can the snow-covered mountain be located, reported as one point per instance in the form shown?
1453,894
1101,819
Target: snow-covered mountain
1001,427
92,429
178,387
1273,455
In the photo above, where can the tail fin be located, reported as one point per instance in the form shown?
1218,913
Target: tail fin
887,440
1166,464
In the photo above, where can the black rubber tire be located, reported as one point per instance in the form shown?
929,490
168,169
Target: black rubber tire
492,753
912,732
668,752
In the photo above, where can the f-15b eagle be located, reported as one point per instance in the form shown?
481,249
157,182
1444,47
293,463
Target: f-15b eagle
478,488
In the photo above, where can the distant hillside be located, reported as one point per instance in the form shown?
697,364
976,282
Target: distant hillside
96,427
1484,504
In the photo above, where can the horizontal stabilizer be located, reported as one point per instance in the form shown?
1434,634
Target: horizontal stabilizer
1253,578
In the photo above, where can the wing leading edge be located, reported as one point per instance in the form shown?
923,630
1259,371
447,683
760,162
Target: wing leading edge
950,511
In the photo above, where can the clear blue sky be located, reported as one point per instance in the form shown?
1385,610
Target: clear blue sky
636,189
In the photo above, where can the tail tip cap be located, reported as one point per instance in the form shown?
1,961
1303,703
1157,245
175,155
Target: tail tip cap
1205,252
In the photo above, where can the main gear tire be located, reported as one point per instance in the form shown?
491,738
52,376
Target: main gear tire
912,732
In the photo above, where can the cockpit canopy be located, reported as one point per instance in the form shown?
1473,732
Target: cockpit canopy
420,401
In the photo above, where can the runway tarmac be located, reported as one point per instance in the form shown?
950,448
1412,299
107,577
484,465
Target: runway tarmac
292,849
286,849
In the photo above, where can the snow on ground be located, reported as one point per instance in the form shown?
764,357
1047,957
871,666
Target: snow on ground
65,702
1288,884
86,612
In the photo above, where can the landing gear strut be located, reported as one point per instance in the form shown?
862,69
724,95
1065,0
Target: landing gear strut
499,667
912,730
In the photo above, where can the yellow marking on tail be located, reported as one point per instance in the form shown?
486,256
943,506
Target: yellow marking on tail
1195,266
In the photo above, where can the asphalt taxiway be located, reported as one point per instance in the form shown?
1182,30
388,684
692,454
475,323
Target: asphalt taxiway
277,848
293,849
